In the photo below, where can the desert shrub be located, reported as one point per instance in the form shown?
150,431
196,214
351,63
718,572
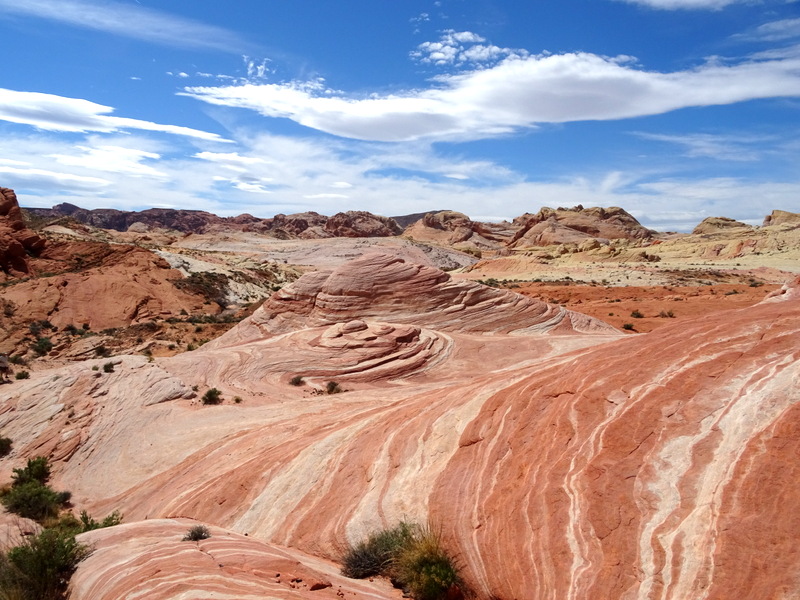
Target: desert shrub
40,568
22,375
5,446
375,555
197,533
37,469
16,359
101,350
212,396
237,399
637,315
296,380
42,346
412,556
666,314
424,569
108,367
627,326
333,388
32,500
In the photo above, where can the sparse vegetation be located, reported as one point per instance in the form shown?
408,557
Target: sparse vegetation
108,367
627,326
212,396
297,380
333,388
666,314
22,375
637,315
412,556
42,346
197,533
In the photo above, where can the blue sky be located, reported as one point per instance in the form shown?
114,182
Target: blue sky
673,109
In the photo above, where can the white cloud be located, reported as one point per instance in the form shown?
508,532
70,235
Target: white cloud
719,147
516,93
59,113
685,4
129,20
774,31
461,47
38,177
342,185
115,159
324,196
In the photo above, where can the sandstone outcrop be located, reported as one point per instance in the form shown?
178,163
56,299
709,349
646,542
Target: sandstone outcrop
781,217
387,288
718,224
574,225
359,223
450,228
17,242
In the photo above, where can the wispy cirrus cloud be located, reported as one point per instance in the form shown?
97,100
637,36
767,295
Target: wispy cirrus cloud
774,31
685,4
59,113
718,147
516,93
129,20
113,159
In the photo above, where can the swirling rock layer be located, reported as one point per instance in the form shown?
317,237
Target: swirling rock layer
584,466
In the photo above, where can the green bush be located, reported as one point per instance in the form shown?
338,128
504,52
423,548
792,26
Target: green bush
22,375
32,500
627,326
5,446
212,396
42,346
637,315
37,469
108,367
333,388
197,533
296,380
40,568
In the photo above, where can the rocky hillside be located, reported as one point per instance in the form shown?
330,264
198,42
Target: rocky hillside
17,242
608,466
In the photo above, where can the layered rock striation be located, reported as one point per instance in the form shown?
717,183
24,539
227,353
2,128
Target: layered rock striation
17,242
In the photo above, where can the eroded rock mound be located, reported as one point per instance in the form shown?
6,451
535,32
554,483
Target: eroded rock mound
780,217
387,288
453,228
575,225
359,223
717,225
16,240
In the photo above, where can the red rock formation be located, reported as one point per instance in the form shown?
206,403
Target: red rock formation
16,240
651,466
454,228
386,287
358,223
564,226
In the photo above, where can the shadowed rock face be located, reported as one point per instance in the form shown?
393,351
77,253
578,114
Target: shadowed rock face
16,240
582,466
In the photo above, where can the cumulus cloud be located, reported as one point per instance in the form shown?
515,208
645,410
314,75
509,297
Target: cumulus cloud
129,20
59,113
462,47
516,93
